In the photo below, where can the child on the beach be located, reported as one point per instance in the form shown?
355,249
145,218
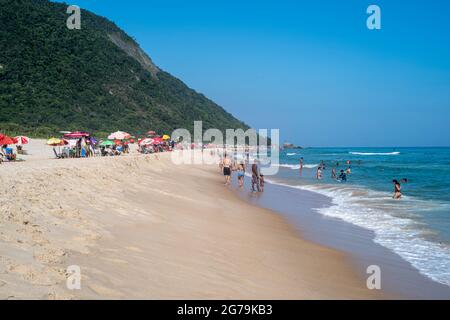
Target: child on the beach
261,182
241,175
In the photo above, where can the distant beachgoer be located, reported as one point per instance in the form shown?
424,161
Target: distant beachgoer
337,164
261,182
342,176
404,180
322,165
221,164
348,171
319,173
241,174
349,162
227,169
301,165
255,178
333,173
397,190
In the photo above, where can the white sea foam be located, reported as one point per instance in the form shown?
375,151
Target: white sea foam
296,166
375,153
394,229
291,154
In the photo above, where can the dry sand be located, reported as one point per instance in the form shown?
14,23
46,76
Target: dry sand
141,227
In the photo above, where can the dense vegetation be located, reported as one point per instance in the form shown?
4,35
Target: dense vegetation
95,79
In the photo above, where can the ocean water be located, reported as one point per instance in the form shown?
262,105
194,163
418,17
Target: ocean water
417,227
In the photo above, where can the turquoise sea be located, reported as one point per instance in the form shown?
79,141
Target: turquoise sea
417,227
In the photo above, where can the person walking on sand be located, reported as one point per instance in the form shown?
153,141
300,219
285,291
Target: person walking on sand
261,182
227,169
255,178
241,175
397,190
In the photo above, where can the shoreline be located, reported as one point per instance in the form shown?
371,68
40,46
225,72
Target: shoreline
144,228
399,277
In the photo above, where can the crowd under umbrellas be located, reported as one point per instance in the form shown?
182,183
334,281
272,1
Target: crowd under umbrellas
7,152
82,144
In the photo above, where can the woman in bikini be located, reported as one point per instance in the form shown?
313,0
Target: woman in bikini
397,190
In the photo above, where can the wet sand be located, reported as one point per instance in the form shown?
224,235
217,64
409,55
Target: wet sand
398,277
141,227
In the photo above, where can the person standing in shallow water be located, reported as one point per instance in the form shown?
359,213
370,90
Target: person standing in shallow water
301,165
397,190
333,173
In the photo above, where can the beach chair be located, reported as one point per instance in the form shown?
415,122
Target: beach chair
57,155
9,154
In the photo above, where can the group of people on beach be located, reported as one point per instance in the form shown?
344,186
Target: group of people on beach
342,177
227,166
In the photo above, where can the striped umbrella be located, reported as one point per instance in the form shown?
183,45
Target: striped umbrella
22,140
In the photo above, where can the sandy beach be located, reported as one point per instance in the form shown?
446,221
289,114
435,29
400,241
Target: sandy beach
140,227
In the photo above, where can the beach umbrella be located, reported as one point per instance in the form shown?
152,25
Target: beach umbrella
107,143
54,142
157,140
151,133
166,137
76,135
119,135
146,141
5,140
22,140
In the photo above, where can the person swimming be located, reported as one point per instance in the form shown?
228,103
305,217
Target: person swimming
342,176
397,190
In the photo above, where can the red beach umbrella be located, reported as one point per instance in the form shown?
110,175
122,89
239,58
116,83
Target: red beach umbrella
157,140
22,140
7,140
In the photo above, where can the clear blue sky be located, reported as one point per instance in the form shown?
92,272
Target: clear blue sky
310,68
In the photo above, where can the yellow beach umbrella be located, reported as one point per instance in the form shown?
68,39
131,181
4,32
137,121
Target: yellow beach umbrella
54,141
166,137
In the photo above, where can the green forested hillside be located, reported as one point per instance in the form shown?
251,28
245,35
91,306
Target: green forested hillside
95,79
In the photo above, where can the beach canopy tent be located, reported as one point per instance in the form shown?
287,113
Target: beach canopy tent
21,140
5,140
76,135
166,137
119,135
107,143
